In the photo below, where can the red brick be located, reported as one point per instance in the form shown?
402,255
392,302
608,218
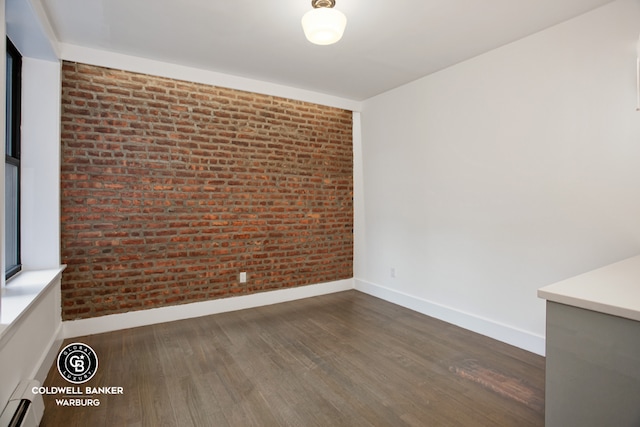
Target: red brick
171,188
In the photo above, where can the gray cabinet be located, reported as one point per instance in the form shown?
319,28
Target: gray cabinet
593,348
592,369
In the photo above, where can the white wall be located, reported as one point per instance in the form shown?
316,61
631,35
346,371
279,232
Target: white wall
40,164
505,173
29,343
28,346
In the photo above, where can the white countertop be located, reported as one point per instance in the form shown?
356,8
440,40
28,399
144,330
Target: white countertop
614,289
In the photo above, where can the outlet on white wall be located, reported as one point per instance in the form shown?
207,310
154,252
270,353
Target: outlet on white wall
392,272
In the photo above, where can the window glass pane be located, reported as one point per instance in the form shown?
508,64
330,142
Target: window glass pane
12,161
9,98
11,215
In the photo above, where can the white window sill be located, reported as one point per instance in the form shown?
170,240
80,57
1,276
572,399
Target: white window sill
21,293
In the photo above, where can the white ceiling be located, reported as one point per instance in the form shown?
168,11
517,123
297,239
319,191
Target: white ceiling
386,43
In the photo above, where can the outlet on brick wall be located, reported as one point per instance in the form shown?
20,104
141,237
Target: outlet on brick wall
170,187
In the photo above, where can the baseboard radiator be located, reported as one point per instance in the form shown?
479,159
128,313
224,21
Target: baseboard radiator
25,408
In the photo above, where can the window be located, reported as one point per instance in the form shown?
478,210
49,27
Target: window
12,162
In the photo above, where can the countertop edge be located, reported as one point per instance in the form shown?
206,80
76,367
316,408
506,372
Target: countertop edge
612,289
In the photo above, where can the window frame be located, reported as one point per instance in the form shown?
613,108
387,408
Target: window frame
12,142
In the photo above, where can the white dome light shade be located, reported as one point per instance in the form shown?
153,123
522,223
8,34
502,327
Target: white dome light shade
324,25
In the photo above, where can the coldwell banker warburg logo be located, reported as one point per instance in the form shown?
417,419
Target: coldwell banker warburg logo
77,363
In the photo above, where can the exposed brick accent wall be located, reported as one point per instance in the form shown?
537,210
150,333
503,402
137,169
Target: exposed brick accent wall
170,189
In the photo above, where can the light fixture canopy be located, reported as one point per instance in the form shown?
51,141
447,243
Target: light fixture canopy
323,24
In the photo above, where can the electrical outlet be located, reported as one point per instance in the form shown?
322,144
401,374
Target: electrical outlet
243,277
392,272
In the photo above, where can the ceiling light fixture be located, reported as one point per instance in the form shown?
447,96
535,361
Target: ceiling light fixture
323,24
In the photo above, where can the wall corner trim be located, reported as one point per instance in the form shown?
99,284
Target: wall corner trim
487,327
133,319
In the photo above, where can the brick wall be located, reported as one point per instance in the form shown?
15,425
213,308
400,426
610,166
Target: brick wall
170,189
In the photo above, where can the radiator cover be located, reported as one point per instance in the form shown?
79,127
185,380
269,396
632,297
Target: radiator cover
24,409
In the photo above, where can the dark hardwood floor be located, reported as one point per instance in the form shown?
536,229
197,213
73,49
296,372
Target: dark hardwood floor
346,359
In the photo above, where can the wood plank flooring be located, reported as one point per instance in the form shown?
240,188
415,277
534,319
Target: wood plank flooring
346,359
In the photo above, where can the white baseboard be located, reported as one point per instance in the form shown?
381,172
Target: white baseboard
132,319
501,332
